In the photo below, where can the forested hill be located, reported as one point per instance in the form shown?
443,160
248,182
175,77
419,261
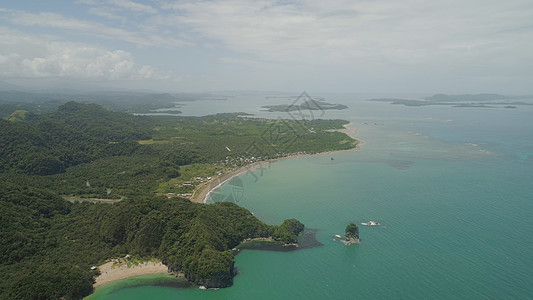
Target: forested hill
96,121
75,133
81,150
49,245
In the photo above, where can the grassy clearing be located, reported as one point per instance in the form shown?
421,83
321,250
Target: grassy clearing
190,177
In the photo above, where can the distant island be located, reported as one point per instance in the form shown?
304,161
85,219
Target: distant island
468,97
306,105
474,100
82,186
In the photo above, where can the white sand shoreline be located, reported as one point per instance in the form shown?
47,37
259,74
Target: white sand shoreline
114,271
203,196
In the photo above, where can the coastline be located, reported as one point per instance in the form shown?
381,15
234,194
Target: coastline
117,270
204,191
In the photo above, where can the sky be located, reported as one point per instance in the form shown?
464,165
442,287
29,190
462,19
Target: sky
336,46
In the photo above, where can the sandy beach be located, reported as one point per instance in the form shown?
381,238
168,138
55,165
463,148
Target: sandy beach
118,269
201,194
114,270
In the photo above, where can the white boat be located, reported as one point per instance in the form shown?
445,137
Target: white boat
337,236
371,223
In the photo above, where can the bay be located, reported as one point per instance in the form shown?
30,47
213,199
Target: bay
450,186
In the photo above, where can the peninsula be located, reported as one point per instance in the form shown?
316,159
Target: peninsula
143,168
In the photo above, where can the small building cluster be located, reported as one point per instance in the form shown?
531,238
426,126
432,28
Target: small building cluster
172,195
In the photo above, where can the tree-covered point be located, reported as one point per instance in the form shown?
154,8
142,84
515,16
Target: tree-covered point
288,231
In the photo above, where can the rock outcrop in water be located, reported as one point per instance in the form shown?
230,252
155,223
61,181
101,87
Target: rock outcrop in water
351,234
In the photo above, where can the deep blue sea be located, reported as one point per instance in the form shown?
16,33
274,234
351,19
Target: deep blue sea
452,188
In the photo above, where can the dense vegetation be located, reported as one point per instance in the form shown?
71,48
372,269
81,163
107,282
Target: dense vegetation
82,150
48,243
351,231
288,231
85,150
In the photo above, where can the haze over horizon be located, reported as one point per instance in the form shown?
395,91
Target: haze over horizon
340,46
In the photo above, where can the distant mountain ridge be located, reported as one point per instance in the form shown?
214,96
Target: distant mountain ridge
4,86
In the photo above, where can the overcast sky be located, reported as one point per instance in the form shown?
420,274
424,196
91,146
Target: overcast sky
454,46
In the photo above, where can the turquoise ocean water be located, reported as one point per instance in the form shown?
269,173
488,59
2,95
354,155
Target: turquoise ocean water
452,188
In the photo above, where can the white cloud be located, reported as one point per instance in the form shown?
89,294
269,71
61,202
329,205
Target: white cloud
106,13
120,4
410,32
346,32
338,40
27,56
90,28
133,6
